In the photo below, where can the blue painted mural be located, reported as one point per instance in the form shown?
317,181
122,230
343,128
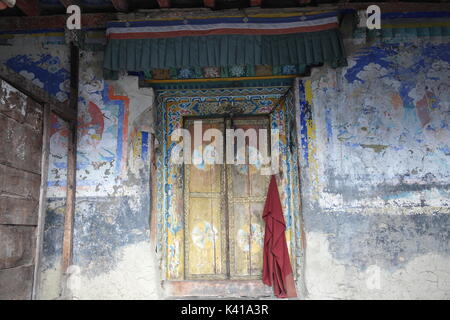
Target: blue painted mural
45,71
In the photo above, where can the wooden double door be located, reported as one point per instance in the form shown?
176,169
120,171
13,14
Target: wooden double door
223,204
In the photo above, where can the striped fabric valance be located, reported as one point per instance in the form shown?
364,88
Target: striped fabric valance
225,41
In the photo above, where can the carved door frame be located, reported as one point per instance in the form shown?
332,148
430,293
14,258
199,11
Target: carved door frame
168,213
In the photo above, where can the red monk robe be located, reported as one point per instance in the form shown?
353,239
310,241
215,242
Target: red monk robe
277,270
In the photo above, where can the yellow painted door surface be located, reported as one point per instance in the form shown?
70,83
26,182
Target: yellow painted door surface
247,190
224,230
204,215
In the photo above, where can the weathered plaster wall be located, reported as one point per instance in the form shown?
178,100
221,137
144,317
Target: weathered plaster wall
375,173
113,257
51,275
112,254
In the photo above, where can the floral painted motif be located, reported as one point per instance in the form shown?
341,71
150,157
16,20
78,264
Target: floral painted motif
211,72
289,69
237,71
204,235
186,73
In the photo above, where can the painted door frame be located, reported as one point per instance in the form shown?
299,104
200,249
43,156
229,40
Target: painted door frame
202,100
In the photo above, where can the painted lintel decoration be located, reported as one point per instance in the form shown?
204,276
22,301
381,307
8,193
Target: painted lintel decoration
218,47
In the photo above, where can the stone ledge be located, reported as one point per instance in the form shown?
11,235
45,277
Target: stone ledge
216,289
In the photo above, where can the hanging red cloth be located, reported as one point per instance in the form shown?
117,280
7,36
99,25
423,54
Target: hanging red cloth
277,269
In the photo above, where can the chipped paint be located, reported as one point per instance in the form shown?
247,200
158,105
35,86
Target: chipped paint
374,162
377,197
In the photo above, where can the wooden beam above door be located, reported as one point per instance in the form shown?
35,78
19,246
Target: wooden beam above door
121,5
29,7
67,3
164,3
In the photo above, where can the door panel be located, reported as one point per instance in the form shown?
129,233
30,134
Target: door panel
257,238
17,245
239,238
247,190
223,211
20,179
23,140
16,283
205,253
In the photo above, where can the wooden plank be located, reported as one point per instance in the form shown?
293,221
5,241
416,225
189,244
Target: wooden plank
218,288
21,145
67,3
18,211
29,7
17,245
16,283
42,203
71,162
19,106
88,20
120,5
164,3
12,103
209,3
239,239
70,201
396,6
34,116
19,183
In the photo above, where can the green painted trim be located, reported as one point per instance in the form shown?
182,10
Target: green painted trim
304,49
272,82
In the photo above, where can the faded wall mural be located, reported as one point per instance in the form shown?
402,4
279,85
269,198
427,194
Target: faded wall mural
43,70
376,171
374,161
113,183
387,135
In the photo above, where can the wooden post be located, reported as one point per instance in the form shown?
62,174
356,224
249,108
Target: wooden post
71,166
42,201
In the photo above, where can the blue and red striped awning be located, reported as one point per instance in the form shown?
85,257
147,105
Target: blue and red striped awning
300,39
250,25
